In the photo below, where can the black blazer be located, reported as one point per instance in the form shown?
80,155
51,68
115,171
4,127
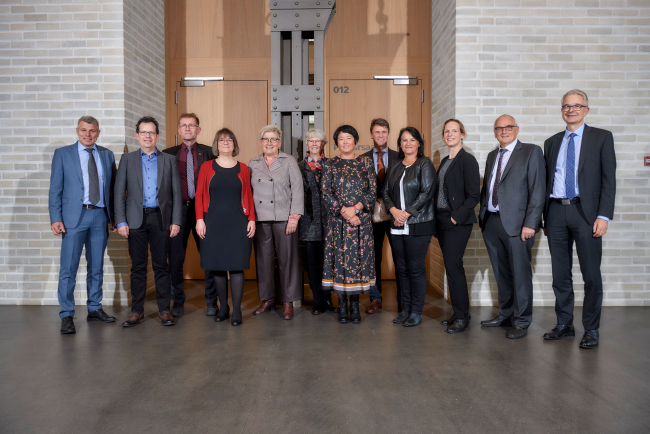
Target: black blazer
596,172
203,154
462,187
311,226
393,157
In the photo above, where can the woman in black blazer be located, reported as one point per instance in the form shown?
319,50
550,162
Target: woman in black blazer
456,195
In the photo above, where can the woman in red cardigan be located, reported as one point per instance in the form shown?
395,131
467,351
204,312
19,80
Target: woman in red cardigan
226,225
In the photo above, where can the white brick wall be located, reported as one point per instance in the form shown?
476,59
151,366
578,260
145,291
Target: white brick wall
519,57
58,61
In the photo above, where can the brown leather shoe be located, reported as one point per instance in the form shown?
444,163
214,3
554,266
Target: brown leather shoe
133,320
266,306
287,312
375,306
166,318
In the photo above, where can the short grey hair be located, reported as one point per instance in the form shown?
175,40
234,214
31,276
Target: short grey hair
271,129
316,134
504,115
88,120
576,92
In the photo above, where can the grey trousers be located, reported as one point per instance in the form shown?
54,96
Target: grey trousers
271,240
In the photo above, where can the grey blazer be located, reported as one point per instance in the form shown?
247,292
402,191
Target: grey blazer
278,190
521,190
128,190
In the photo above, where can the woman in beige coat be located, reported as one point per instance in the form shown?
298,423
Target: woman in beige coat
278,197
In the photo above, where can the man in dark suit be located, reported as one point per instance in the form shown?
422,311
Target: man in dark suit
512,201
148,205
81,191
190,155
384,158
580,192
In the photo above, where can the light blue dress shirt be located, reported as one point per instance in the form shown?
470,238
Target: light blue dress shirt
560,166
83,158
375,154
149,181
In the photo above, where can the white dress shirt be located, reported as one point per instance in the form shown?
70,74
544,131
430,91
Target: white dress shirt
504,162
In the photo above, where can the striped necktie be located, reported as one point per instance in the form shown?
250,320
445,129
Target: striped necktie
191,189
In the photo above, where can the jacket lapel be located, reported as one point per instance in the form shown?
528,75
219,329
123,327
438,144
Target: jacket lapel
75,157
453,161
489,167
161,166
583,148
138,166
511,160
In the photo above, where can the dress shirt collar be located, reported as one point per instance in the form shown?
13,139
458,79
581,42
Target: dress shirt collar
511,146
376,151
185,146
81,147
144,154
579,132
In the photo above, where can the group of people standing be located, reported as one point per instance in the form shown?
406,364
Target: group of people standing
342,209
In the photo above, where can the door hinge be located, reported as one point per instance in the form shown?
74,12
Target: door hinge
423,96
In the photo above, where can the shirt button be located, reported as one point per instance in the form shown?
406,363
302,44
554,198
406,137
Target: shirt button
260,201
271,201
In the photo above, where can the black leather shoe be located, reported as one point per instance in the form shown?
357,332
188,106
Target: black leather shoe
343,311
220,318
166,318
178,310
458,326
331,308
516,333
355,314
319,309
235,322
413,320
560,331
401,318
67,326
99,315
211,310
589,339
449,321
497,321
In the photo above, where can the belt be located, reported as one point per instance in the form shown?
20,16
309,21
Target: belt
92,206
497,213
565,201
188,202
150,210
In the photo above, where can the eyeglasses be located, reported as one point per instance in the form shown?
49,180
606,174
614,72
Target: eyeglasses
267,140
226,141
191,126
568,108
507,128
147,133
314,142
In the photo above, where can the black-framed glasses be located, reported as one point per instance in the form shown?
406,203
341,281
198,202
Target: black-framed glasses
576,107
192,126
267,140
226,141
507,128
148,133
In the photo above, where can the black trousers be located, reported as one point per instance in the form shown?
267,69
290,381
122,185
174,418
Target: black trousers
566,224
150,235
177,250
380,232
315,272
510,258
410,253
453,242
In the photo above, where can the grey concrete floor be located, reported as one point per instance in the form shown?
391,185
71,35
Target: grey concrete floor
314,375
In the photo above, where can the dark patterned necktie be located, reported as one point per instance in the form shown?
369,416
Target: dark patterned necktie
570,171
93,179
497,180
381,169
190,174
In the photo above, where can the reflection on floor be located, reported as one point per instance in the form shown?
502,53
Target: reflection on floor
314,375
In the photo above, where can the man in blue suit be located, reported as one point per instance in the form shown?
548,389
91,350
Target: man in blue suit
80,205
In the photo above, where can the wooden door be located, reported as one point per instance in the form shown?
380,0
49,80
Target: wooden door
241,106
357,102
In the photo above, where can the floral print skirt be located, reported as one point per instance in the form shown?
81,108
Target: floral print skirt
349,259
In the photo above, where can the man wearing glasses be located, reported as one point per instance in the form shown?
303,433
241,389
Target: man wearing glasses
149,215
189,155
512,201
580,191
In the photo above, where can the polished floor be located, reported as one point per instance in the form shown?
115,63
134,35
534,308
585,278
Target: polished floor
314,375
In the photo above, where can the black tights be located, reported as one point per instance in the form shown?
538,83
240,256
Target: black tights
343,297
236,289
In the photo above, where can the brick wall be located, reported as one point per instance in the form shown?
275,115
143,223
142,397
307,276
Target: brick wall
519,57
58,61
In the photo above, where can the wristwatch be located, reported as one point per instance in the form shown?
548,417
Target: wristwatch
357,211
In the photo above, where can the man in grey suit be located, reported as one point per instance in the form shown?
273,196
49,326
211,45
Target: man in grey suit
512,201
148,205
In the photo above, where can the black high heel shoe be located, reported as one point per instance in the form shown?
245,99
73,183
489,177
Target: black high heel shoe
330,307
220,318
235,322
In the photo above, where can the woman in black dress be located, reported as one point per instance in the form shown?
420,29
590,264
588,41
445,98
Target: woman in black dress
227,225
457,195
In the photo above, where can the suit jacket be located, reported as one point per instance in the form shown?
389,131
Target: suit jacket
393,157
596,172
462,186
203,154
67,187
278,190
311,226
521,190
128,190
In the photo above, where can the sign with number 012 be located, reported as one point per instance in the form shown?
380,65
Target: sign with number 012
341,89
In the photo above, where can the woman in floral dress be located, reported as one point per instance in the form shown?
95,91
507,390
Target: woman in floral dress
349,193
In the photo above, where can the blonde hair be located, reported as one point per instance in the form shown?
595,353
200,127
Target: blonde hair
271,129
317,134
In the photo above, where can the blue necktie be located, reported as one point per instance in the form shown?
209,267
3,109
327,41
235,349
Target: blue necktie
570,170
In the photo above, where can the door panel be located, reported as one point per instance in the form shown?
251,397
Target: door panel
357,103
241,106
